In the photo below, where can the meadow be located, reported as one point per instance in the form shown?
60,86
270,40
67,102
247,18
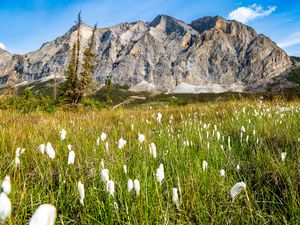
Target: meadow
201,149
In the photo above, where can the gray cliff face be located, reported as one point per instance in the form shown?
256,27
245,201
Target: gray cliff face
165,53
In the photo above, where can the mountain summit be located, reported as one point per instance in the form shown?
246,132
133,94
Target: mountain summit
211,52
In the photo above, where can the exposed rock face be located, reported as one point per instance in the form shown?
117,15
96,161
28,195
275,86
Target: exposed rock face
165,53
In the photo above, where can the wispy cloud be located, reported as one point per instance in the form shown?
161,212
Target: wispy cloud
2,46
245,14
290,40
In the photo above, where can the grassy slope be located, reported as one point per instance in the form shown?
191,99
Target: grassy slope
272,195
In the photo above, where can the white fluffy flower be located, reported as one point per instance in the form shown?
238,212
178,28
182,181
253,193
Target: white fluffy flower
159,116
204,165
160,173
222,173
42,148
71,158
81,192
63,134
110,187
237,188
105,175
243,129
44,215
103,136
218,135
19,151
6,185
130,185
283,156
137,187
50,151
152,150
125,169
5,207
175,198
122,143
141,137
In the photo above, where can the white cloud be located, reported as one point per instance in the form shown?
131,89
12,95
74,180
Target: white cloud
290,40
246,14
2,46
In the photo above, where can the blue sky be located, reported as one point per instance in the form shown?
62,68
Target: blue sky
26,25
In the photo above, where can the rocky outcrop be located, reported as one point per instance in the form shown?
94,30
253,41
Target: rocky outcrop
165,53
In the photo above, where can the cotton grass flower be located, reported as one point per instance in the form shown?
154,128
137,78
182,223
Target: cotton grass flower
63,134
222,173
81,192
121,143
137,187
42,148
141,138
5,207
152,150
50,151
6,185
218,135
204,165
105,175
160,173
158,118
19,151
283,156
175,197
110,187
236,189
129,185
103,136
71,157
44,215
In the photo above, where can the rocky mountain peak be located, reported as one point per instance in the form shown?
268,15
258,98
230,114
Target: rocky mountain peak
169,24
210,52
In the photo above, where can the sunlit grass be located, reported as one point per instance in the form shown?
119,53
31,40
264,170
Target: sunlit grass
182,144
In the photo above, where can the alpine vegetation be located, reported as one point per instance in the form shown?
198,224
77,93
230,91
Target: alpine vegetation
235,162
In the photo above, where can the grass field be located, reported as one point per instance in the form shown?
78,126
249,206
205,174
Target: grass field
250,133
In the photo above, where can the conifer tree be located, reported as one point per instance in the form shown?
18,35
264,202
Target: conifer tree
70,85
78,83
87,68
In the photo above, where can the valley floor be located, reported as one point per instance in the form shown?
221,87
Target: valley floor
201,149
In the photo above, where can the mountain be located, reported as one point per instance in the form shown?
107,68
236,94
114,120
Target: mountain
211,52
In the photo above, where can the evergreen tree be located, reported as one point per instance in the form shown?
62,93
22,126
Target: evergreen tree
70,85
78,83
87,68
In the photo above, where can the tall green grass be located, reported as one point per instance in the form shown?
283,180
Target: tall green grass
271,196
